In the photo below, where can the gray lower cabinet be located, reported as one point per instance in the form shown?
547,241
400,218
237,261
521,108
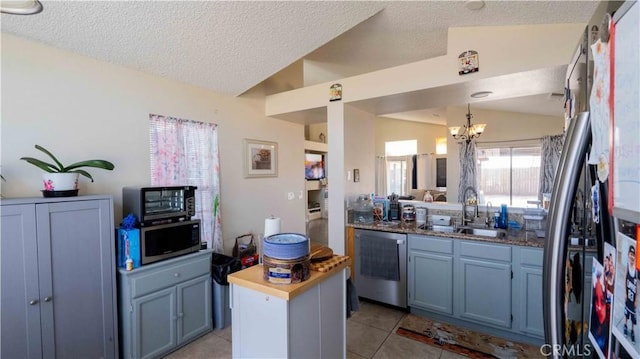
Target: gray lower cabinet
58,290
431,273
483,283
165,305
492,286
530,315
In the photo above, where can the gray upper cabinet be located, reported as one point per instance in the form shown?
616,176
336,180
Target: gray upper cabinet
58,278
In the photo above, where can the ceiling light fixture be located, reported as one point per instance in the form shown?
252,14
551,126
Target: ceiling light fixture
23,7
469,131
481,94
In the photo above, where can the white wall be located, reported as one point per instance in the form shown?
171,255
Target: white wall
359,151
80,108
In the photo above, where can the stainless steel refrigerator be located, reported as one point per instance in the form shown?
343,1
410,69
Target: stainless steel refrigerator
594,213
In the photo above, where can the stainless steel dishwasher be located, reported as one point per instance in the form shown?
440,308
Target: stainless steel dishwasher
381,266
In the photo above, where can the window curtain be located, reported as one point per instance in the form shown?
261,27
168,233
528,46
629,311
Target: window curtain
185,152
408,184
381,176
425,172
468,170
414,172
551,148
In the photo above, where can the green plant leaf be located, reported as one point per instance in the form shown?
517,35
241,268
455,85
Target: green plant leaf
45,166
216,203
105,165
60,166
84,173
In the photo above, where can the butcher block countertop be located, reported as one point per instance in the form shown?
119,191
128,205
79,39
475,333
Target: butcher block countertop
253,278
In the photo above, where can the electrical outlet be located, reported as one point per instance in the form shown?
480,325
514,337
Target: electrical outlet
291,196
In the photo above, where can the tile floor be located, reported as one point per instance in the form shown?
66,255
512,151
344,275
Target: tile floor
370,334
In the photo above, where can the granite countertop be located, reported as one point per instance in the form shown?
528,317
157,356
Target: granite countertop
518,238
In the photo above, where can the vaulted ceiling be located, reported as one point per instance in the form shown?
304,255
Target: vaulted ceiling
232,46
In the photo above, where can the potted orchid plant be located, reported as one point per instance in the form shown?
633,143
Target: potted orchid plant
64,179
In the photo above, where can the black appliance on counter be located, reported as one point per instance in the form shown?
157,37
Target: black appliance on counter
394,208
160,204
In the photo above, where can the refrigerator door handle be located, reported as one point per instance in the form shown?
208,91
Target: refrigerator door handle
564,190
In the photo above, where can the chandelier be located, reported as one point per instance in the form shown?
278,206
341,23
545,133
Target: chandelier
467,132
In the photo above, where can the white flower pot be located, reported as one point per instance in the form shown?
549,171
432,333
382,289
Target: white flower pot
60,181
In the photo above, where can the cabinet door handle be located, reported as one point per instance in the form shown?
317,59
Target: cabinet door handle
47,299
180,315
176,275
33,302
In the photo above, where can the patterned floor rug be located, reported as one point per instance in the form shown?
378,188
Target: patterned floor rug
463,341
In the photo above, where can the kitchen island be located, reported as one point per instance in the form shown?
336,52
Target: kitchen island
306,319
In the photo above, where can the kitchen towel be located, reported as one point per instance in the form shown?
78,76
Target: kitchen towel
272,226
379,258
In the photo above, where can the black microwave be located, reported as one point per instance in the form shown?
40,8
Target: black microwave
159,205
169,240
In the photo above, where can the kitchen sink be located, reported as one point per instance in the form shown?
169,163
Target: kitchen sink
483,232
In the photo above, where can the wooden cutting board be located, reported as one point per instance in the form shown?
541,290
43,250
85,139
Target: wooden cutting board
320,253
328,264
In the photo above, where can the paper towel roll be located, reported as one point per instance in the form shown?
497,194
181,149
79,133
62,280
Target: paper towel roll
272,226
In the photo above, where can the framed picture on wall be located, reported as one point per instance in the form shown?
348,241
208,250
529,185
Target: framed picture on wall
260,158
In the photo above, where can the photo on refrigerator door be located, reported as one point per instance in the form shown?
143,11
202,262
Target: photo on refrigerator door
599,325
625,309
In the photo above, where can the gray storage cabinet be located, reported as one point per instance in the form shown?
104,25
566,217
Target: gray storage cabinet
483,283
431,273
164,305
530,279
58,278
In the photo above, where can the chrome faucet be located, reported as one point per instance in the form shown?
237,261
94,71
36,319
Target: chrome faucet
487,219
465,202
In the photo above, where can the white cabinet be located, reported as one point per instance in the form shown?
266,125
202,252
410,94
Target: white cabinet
304,320
58,278
431,273
165,305
483,283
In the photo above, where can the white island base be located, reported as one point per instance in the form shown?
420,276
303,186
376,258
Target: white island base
302,320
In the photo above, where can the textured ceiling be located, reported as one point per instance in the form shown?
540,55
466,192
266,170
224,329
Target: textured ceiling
232,46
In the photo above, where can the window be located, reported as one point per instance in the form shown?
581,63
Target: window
397,155
185,152
401,148
509,175
396,175
441,145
